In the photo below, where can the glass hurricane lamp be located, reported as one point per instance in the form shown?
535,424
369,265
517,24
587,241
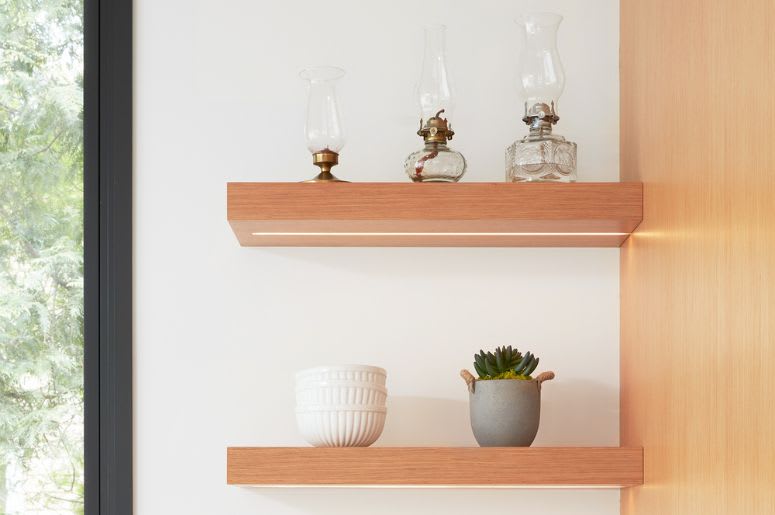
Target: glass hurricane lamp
435,162
323,128
541,155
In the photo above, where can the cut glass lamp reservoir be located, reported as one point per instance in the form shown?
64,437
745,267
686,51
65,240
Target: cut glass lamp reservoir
541,155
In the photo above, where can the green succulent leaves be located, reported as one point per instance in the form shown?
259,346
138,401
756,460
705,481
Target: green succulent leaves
527,365
504,363
492,364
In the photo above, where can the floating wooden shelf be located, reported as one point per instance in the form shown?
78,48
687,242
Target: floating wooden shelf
434,215
584,467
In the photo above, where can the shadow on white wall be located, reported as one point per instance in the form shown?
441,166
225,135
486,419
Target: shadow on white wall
580,404
425,421
434,501
578,412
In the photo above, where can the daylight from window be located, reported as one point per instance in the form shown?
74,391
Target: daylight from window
41,256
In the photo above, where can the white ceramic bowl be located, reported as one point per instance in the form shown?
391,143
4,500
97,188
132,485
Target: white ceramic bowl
341,426
341,392
358,373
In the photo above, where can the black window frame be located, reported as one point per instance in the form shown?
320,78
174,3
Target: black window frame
108,257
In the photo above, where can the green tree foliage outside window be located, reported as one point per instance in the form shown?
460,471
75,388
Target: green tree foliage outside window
41,256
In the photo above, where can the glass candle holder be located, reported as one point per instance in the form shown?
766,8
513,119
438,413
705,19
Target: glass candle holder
541,155
323,128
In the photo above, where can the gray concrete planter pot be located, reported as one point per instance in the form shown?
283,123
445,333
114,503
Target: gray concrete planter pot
505,412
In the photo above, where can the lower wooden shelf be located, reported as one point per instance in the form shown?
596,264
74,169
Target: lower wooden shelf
568,467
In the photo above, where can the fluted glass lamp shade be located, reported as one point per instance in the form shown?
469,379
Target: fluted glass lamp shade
323,128
541,73
541,155
435,162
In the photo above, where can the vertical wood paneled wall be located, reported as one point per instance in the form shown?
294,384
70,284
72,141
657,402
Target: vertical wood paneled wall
698,277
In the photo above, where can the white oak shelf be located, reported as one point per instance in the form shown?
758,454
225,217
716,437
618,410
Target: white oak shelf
562,467
434,215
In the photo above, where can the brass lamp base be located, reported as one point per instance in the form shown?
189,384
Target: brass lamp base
325,160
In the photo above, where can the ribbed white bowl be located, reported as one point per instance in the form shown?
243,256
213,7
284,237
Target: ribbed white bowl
341,392
358,373
343,426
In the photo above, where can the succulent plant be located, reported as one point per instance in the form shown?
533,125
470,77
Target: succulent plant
504,363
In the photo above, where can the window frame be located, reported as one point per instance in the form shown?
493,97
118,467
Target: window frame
107,146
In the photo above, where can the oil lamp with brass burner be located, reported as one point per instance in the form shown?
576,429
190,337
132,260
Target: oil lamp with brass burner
541,156
324,133
435,162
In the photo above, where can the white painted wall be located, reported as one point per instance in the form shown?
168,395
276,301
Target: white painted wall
219,329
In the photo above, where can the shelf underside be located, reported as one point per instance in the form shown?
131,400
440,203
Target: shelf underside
562,467
434,215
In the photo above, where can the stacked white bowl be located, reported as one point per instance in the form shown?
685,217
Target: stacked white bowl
341,406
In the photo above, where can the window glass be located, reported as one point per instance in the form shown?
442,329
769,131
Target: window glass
41,256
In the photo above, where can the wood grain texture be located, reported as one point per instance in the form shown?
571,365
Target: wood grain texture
435,466
479,214
698,277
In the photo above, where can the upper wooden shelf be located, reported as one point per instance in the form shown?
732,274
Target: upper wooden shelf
436,466
434,215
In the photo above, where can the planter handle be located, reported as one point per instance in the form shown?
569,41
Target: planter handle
469,379
544,376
